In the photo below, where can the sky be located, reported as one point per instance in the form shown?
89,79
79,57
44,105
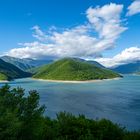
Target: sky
103,30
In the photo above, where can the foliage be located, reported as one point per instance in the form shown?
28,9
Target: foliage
3,77
73,69
21,118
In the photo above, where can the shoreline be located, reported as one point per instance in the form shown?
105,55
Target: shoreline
87,81
4,81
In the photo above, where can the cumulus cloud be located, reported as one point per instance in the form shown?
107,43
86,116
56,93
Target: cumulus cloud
134,8
128,55
71,42
106,20
90,40
39,34
31,50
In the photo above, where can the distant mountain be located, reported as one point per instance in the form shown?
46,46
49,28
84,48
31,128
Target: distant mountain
73,69
9,71
37,62
138,73
20,63
25,64
128,68
91,62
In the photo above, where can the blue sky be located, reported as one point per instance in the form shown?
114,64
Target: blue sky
17,18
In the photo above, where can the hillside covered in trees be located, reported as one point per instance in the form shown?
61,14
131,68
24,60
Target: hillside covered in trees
73,70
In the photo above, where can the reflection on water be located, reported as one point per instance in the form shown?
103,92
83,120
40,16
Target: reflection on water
118,100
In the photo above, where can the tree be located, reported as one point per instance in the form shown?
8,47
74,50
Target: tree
20,116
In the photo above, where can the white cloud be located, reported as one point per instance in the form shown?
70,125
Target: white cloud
134,8
79,41
106,20
38,34
74,42
29,50
126,56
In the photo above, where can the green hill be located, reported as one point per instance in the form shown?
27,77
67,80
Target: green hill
3,77
10,72
72,69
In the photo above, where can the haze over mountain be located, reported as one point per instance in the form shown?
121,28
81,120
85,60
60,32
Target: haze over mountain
9,71
128,68
26,63
73,69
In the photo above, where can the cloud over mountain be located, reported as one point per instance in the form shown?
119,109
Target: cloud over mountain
126,56
103,27
88,40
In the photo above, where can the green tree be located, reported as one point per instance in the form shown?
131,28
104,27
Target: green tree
20,116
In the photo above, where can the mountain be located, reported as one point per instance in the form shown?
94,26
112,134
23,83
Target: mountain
3,77
96,64
37,62
90,62
24,64
9,71
20,63
35,69
73,69
128,68
138,73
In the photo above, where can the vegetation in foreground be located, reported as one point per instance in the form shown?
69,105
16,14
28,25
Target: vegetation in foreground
21,118
73,69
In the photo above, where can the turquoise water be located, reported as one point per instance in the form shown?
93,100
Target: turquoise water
117,100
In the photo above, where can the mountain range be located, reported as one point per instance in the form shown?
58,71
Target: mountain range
11,67
26,63
128,68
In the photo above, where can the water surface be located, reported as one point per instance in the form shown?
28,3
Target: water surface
117,100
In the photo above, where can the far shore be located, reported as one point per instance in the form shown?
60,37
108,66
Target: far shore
87,81
4,81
